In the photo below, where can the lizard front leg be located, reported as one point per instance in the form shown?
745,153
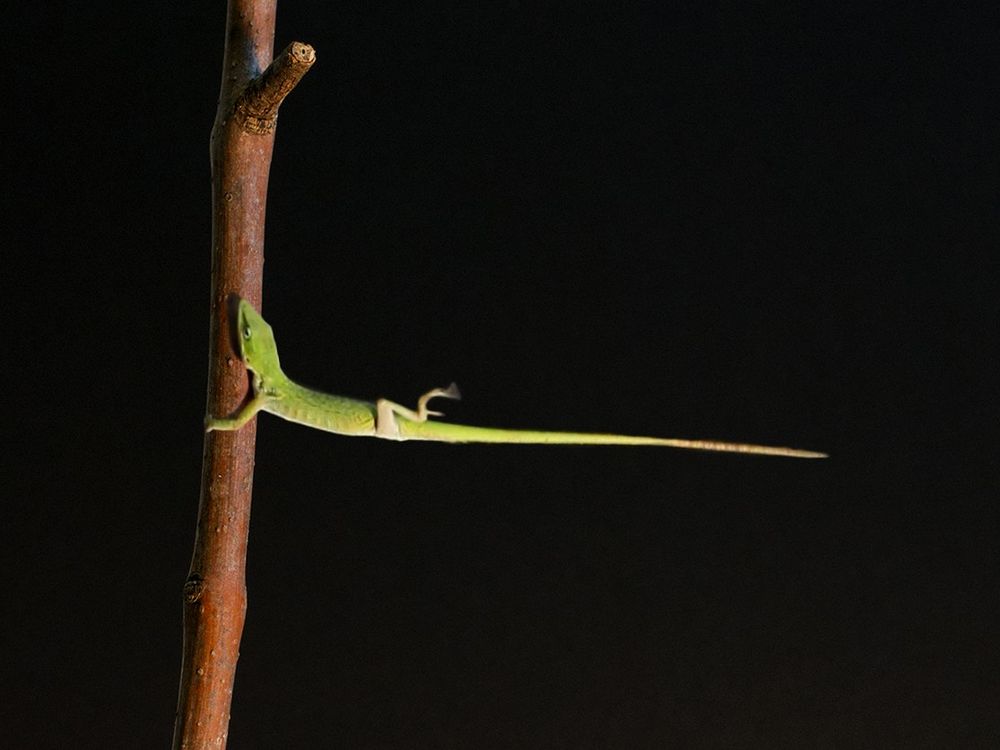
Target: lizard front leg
243,416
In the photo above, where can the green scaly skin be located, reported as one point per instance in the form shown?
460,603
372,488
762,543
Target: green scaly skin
274,392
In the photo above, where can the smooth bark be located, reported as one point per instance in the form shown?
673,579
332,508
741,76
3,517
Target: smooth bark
215,596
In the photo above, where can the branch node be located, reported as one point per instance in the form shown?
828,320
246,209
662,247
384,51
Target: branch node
194,587
257,107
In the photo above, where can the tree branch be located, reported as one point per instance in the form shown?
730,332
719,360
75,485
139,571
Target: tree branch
241,145
257,107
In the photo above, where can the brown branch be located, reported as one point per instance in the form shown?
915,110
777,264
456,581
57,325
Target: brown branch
215,591
257,107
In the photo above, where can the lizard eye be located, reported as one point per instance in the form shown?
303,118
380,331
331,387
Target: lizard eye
246,332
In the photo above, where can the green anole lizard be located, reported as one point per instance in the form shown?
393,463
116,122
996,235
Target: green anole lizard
274,392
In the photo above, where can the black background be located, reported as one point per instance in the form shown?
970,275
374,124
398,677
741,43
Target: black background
767,223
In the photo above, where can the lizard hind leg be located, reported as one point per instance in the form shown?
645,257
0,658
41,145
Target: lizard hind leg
386,411
451,392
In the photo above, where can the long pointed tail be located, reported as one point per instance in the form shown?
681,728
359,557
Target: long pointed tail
446,432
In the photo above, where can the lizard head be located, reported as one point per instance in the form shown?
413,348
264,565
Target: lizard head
256,341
